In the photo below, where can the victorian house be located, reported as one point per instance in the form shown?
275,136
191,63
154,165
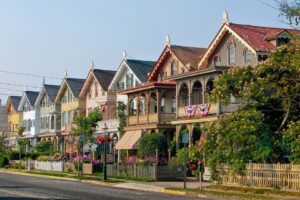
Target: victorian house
234,45
95,91
131,73
31,118
71,106
50,117
14,120
152,105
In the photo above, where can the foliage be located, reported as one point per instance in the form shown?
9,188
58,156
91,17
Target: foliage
131,160
43,158
87,125
22,144
3,161
150,142
15,155
237,138
192,153
289,10
292,141
2,144
21,130
121,116
44,147
149,160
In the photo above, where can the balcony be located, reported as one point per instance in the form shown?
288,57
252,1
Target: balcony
110,125
214,109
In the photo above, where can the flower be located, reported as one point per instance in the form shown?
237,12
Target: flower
131,160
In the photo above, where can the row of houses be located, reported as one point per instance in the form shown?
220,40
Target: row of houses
168,95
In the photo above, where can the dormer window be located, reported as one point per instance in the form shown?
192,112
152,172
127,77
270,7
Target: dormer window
173,68
247,56
282,40
231,53
217,61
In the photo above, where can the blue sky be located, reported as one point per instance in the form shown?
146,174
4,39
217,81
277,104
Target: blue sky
50,36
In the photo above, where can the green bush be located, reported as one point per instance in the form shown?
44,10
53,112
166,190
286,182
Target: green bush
44,147
14,155
43,158
150,142
3,161
16,166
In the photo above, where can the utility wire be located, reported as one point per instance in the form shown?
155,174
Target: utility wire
32,75
12,84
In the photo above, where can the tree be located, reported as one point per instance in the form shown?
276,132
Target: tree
150,142
289,10
87,125
291,138
44,147
272,88
237,138
121,116
2,144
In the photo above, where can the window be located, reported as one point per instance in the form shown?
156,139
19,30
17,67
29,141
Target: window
90,94
210,86
217,61
282,40
173,105
173,68
133,106
63,119
70,117
162,105
248,56
96,89
231,53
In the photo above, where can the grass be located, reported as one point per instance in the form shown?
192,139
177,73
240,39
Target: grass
233,192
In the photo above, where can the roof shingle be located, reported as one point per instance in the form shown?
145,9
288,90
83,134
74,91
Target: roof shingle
51,91
104,77
75,85
140,68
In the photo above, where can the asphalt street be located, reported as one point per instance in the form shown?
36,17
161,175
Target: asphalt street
26,187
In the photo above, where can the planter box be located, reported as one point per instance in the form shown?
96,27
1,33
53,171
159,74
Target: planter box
87,168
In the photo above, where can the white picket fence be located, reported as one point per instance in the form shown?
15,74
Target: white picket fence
57,166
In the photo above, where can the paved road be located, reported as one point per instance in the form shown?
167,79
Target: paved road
26,187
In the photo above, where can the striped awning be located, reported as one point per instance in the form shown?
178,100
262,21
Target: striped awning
130,140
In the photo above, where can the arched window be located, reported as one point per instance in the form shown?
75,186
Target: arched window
173,68
142,105
210,86
248,56
162,104
231,53
217,61
133,106
52,122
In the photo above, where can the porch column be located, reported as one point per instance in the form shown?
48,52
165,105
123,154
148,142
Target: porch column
177,106
158,105
138,109
177,136
147,106
128,108
190,127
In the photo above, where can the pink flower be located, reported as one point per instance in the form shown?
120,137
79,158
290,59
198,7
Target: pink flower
131,160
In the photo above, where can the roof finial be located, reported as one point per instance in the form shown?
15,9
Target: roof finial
124,55
44,81
92,65
225,17
66,74
168,41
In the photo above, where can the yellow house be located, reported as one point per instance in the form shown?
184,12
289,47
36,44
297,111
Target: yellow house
14,116
14,120
71,106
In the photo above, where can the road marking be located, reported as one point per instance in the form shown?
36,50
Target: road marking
22,194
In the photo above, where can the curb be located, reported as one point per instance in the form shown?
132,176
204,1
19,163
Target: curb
174,192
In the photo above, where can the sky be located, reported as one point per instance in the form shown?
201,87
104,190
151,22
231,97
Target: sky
48,37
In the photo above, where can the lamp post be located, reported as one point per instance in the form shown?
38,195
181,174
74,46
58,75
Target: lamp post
106,139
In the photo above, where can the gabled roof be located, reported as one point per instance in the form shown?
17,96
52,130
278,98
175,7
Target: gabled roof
75,85
256,38
31,96
140,68
188,56
14,101
51,91
104,77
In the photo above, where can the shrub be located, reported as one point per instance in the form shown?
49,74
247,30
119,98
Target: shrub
131,160
14,155
149,160
150,142
3,161
43,158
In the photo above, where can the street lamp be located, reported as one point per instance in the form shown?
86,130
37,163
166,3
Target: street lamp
106,139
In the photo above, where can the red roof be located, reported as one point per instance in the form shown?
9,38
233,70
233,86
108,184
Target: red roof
149,84
257,36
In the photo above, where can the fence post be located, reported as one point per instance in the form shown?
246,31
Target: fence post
251,172
156,155
154,175
134,170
